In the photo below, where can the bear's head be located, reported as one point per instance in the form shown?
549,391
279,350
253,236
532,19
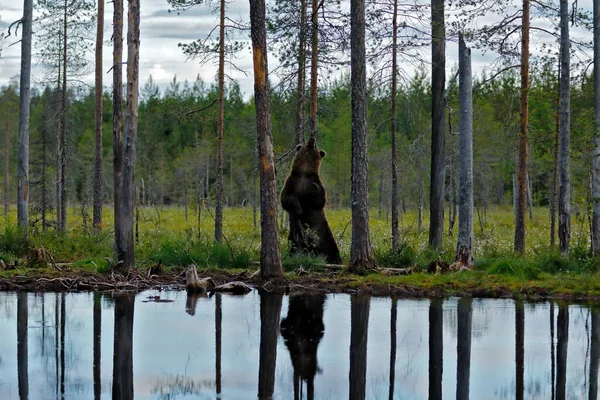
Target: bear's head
308,158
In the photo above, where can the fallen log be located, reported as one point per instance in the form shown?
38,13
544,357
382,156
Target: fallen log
195,284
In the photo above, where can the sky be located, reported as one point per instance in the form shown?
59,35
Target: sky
161,58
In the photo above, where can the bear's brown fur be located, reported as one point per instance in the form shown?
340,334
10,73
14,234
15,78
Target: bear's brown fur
304,198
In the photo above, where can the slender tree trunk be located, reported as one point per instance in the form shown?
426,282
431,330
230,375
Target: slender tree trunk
564,160
464,248
122,388
270,310
394,100
24,99
594,355
463,347
361,257
438,118
125,248
436,348
420,190
220,128
522,163
62,223
22,348
6,169
554,197
218,328
596,136
98,188
393,334
552,352
359,321
313,68
117,114
58,145
562,336
97,344
301,74
529,197
519,349
44,205
270,257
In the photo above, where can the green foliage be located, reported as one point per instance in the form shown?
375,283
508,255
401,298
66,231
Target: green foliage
404,256
13,242
305,261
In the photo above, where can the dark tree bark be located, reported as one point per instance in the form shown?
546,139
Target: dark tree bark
97,345
552,351
361,257
62,221
596,137
270,257
562,336
519,348
6,169
24,100
270,311
98,188
463,348
63,326
218,329
436,348
394,100
117,113
301,74
594,355
438,121
314,68
125,248
464,248
220,128
359,321
564,198
22,348
393,334
554,195
522,162
123,347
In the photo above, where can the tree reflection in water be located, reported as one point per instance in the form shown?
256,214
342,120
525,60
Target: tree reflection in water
436,348
22,352
594,354
270,310
359,325
302,331
463,348
123,347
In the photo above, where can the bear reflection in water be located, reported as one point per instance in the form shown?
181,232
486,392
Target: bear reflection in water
302,331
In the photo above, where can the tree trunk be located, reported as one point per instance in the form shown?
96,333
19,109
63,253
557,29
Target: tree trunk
594,355
270,310
58,148
436,348
24,100
564,197
220,128
522,164
464,248
421,193
554,196
519,349
62,222
562,336
529,197
218,333
117,113
7,169
393,345
98,189
22,348
359,322
438,118
123,346
596,136
394,100
125,248
270,258
301,74
463,347
97,317
361,257
313,68
44,205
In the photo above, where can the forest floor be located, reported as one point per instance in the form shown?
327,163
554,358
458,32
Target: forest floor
478,284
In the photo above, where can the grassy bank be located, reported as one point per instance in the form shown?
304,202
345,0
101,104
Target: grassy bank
166,235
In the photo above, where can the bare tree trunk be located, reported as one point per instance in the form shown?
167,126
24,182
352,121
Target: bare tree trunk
58,148
395,231
301,74
220,128
313,68
596,136
122,388
125,249
522,164
24,100
62,223
6,169
117,113
98,188
529,197
270,257
554,197
270,310
436,348
562,336
22,348
44,205
463,347
464,248
519,349
359,322
564,199
438,118
361,257
421,193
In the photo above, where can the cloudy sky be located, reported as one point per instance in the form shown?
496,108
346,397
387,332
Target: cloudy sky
160,56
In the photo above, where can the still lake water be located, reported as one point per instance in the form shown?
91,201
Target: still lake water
91,346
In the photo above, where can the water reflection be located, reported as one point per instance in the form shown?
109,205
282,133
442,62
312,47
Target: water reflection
82,346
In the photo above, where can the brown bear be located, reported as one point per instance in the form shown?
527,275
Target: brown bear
303,197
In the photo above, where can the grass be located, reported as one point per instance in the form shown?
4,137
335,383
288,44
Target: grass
165,235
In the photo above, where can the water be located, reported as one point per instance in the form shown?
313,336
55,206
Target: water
91,346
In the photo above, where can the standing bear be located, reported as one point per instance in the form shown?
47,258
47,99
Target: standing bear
303,197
